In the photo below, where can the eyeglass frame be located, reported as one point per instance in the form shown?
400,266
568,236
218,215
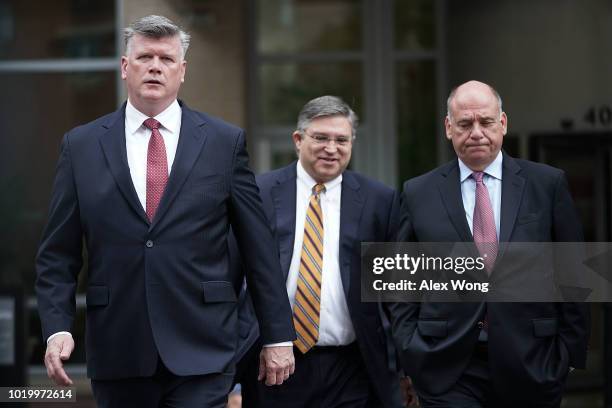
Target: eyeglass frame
326,139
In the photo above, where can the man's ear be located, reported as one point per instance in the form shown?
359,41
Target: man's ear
297,140
124,63
447,127
504,122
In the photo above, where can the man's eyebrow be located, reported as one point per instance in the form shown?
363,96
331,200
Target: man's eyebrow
465,120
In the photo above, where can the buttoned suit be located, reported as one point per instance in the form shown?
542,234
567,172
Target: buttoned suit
368,213
160,288
531,345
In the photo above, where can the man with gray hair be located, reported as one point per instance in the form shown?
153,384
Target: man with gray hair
151,190
320,213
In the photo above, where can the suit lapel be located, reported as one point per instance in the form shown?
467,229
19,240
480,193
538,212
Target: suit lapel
113,146
191,140
450,191
283,196
512,192
351,206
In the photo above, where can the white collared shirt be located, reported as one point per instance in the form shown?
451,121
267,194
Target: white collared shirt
137,142
492,179
335,326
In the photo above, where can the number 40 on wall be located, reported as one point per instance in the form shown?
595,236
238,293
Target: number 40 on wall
599,116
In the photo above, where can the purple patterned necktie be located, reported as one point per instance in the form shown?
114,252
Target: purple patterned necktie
157,167
485,235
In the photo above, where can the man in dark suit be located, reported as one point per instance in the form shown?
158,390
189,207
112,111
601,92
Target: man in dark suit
320,213
151,190
488,354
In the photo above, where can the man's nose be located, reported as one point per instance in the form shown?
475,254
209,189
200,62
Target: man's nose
155,65
477,132
331,146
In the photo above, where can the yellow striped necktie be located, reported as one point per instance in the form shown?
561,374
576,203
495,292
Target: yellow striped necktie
308,295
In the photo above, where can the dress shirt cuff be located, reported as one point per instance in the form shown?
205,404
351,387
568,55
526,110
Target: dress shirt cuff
57,334
283,344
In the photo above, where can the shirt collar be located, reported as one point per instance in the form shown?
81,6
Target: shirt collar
170,118
309,182
494,169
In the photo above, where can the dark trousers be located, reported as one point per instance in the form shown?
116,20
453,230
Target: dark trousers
474,389
325,377
164,389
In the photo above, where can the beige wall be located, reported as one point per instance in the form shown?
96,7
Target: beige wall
216,60
549,59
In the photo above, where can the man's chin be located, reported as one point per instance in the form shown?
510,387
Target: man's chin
327,174
478,162
152,96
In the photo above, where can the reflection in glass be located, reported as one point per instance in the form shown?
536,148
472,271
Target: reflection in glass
38,29
416,116
309,25
286,87
37,109
580,157
415,28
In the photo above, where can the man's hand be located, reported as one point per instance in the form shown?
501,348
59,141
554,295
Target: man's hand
408,394
59,349
276,364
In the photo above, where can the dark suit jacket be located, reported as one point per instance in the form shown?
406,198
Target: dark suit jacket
163,287
531,345
368,213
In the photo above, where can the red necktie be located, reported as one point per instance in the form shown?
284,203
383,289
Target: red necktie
157,167
484,231
485,234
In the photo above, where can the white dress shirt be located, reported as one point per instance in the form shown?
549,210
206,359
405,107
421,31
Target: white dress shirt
492,179
335,326
137,142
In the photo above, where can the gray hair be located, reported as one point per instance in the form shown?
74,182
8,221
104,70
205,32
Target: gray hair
451,96
156,27
326,106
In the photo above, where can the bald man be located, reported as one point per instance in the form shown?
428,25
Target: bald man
488,354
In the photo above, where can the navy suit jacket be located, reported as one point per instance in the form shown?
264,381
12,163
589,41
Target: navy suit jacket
162,287
530,345
369,213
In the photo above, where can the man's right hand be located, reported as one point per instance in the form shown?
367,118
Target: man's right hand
276,364
59,349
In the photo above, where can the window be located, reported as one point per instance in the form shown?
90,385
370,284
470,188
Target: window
59,69
381,57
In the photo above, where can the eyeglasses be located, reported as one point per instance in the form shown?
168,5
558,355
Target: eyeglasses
325,140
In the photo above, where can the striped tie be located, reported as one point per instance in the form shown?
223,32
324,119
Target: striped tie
308,294
485,233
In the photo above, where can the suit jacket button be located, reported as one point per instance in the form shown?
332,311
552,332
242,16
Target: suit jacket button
480,325
149,244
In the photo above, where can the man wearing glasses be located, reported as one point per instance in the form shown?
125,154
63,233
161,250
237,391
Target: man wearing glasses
320,213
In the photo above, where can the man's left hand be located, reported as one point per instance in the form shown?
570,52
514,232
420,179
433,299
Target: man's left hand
276,364
408,393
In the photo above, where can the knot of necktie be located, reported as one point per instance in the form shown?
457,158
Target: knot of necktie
478,176
151,123
318,189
